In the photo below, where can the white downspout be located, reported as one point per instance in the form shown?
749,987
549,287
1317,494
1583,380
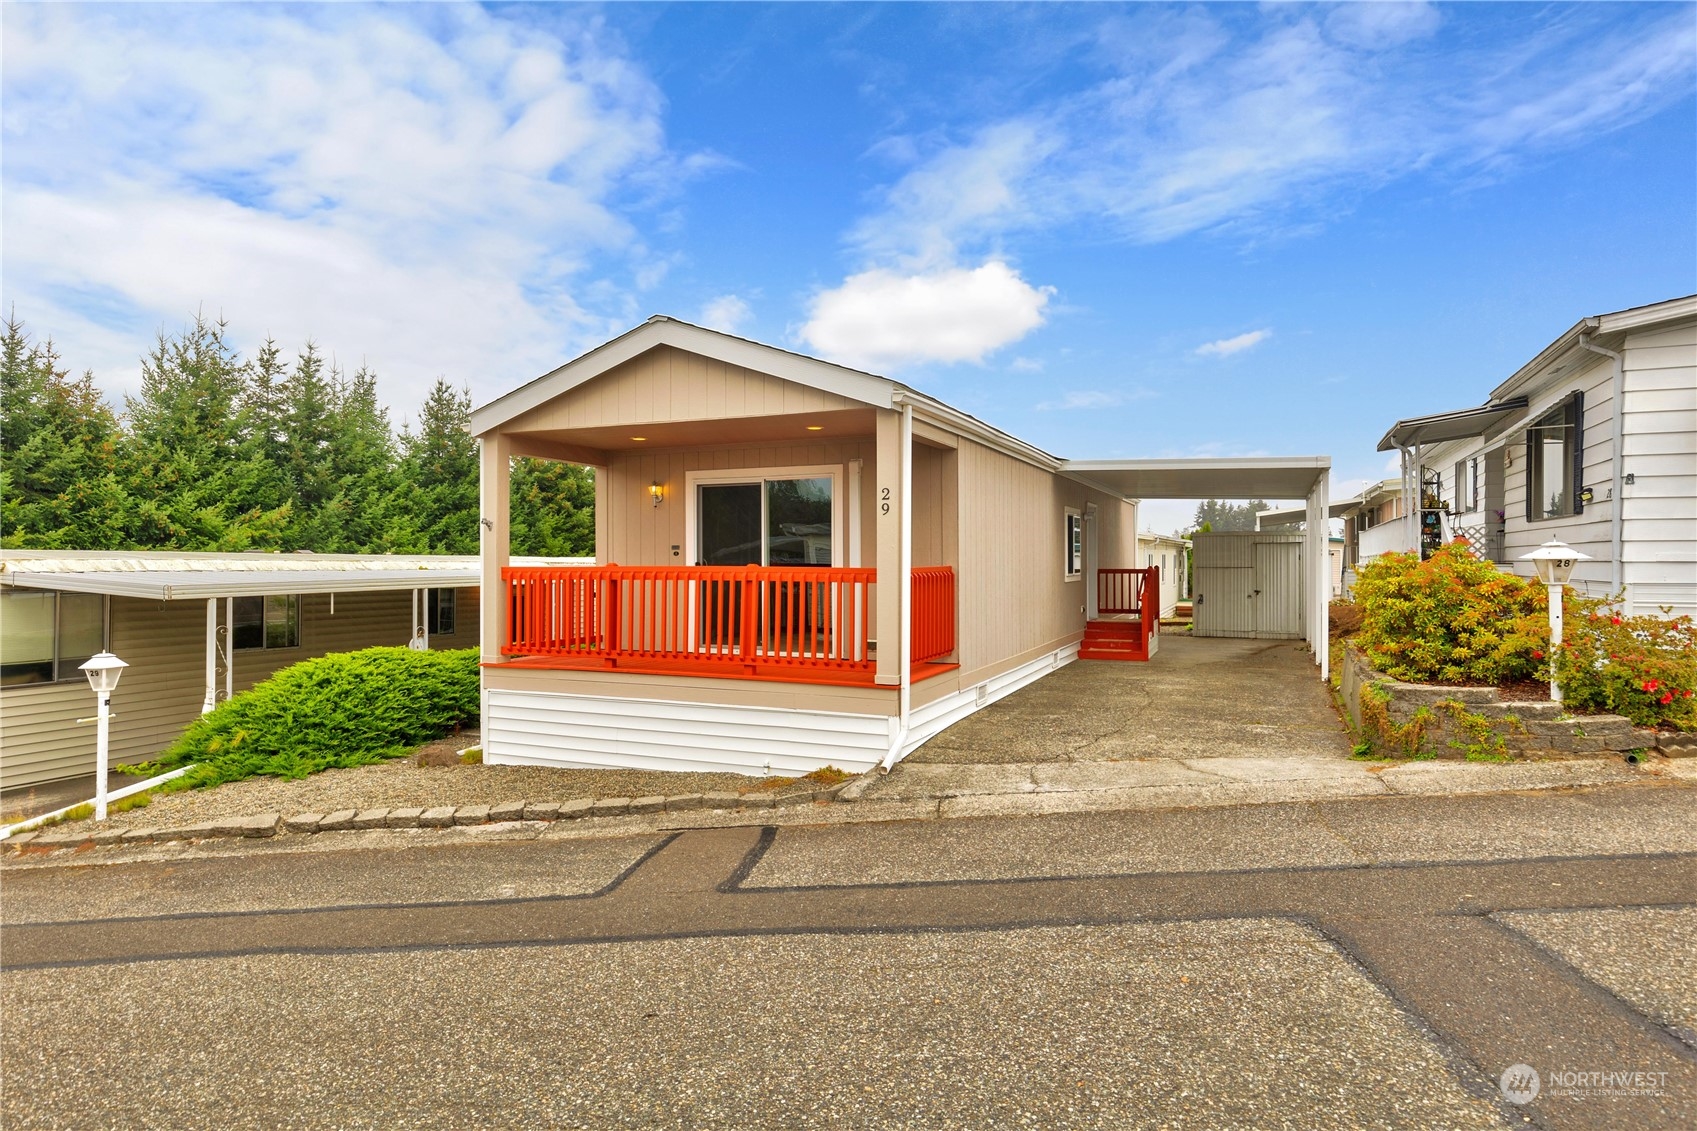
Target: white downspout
1617,489
211,699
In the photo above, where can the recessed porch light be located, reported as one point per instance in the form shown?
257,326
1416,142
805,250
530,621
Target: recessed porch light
815,427
639,437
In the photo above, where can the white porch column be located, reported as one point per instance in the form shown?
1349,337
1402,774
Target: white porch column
494,508
889,505
1320,572
211,698
230,647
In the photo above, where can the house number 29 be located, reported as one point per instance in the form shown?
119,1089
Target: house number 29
884,506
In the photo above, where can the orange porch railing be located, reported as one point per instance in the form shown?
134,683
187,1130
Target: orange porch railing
933,613
1131,591
800,618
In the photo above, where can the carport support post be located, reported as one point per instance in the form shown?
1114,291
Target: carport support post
1319,534
211,699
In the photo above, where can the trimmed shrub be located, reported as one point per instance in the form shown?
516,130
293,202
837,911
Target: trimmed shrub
344,709
1451,619
1643,667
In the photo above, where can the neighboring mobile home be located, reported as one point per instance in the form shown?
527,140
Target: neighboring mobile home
194,629
1169,555
1593,443
752,505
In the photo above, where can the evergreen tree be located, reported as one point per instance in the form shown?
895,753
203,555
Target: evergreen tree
553,509
440,470
59,455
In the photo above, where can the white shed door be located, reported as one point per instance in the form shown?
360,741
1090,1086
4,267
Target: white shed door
1277,590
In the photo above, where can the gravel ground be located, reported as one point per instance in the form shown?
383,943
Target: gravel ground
1642,955
1380,830
400,783
1244,1023
412,874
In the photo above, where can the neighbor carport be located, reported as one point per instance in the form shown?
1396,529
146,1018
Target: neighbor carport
1281,477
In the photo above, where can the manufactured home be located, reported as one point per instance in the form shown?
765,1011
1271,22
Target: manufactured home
1169,556
1593,442
194,629
755,509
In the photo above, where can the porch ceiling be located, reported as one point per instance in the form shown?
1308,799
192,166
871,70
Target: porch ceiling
790,429
1277,477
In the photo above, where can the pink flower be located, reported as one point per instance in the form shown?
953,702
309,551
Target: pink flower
1666,699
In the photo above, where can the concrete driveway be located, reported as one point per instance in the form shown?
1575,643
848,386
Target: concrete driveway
1206,721
1197,698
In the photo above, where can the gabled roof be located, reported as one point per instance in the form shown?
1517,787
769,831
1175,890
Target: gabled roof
1556,358
660,330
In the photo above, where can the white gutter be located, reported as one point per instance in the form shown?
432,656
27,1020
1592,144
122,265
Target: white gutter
138,787
1617,568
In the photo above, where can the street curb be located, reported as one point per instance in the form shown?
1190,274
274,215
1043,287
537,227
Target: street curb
276,825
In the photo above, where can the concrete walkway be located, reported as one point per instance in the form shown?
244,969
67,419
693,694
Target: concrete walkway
1206,722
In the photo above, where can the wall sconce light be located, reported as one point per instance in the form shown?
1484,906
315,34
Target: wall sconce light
1586,495
657,492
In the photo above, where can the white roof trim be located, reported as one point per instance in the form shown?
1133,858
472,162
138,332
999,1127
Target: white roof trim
1277,477
663,331
189,585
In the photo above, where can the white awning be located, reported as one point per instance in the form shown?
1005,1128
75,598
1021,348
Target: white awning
1250,477
189,585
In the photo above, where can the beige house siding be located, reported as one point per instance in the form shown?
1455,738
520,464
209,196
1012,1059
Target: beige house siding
161,692
635,532
1659,515
667,384
1015,598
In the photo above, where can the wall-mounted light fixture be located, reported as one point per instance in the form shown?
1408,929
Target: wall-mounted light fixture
1586,495
656,492
815,427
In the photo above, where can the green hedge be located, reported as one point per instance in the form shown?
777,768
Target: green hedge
344,709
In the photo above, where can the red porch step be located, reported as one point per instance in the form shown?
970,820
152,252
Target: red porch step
1113,640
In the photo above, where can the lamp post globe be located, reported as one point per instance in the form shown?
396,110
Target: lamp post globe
103,671
1554,561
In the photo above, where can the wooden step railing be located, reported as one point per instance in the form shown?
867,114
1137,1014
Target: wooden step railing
804,618
1131,591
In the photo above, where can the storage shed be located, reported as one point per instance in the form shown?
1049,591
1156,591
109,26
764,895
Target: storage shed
1249,584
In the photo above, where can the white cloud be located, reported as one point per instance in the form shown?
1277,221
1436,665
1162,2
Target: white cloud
438,190
1225,347
1026,365
727,312
1094,398
1208,123
885,319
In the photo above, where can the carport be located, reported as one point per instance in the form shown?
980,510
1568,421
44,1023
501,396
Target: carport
1265,477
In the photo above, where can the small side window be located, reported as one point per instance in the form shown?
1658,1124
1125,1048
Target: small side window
1074,544
439,612
266,622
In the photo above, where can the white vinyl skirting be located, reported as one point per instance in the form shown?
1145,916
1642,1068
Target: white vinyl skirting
539,728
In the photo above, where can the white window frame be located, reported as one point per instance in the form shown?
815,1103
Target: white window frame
433,600
693,480
264,645
74,673
1072,560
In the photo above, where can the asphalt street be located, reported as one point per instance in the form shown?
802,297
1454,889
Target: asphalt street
1356,963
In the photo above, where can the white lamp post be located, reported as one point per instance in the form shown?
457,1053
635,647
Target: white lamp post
1554,562
103,671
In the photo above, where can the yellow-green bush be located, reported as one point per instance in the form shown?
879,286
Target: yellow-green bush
344,709
1451,619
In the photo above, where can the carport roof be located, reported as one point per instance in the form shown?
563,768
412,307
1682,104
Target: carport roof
1247,477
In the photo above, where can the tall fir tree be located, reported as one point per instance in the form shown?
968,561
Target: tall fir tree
60,486
441,473
553,509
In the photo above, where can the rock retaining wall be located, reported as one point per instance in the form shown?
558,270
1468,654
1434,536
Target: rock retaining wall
1430,720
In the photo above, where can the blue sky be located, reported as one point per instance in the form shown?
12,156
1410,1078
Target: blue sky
1113,231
